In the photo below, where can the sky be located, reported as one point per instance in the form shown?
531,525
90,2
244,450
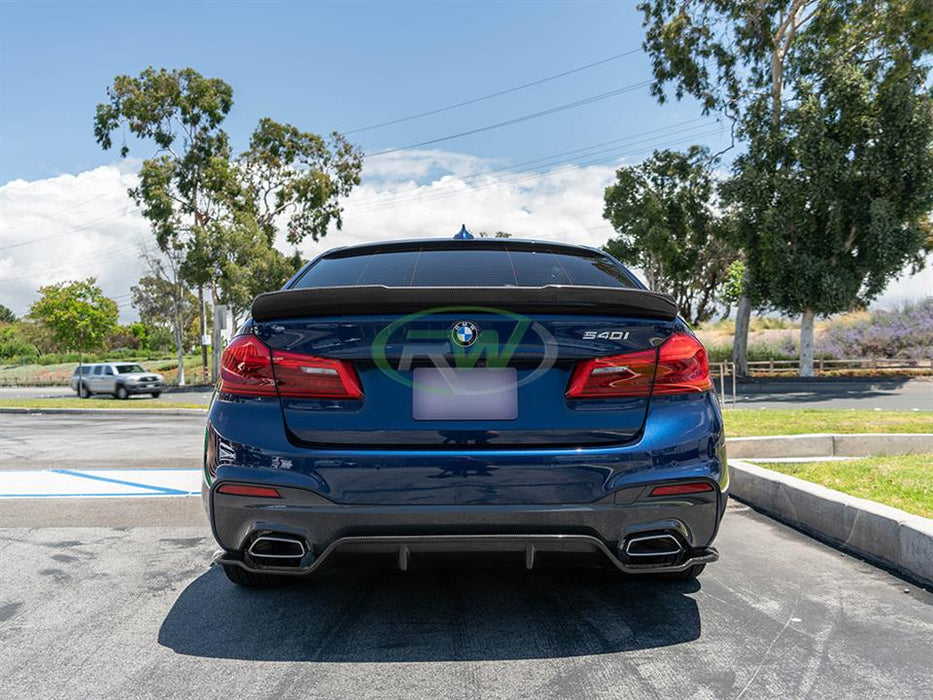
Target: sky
64,213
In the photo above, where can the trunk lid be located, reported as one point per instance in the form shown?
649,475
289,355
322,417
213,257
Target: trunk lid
526,345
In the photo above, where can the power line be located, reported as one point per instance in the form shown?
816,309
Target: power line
56,213
695,128
108,254
492,95
517,120
542,161
530,175
65,232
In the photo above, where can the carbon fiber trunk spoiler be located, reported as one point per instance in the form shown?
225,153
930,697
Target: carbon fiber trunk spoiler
377,299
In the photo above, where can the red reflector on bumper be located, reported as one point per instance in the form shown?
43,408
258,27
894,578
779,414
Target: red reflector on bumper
681,489
243,490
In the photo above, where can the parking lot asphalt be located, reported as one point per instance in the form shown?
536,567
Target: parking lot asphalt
191,395
122,603
49,441
882,394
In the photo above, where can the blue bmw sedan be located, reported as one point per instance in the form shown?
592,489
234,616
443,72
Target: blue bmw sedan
524,401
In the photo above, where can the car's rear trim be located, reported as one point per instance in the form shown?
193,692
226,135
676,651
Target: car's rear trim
405,547
552,299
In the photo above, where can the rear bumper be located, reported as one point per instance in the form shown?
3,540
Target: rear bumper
329,532
522,503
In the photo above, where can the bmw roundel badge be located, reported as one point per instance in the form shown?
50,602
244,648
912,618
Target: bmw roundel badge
464,333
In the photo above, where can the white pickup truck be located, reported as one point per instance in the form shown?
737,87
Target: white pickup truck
118,378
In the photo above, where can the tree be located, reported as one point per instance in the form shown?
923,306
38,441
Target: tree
198,198
77,314
189,181
664,212
726,54
122,338
163,298
6,315
154,298
298,178
38,335
14,343
732,286
241,262
830,99
839,198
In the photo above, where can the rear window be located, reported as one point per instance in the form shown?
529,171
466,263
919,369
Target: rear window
465,268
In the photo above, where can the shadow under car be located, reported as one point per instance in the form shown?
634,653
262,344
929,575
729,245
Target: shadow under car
458,614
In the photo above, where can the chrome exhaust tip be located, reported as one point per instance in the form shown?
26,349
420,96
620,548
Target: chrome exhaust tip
277,549
656,545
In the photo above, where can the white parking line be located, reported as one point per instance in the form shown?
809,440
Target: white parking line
105,483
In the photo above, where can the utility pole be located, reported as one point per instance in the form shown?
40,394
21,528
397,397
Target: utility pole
218,331
204,337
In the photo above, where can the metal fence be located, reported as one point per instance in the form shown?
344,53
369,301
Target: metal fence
819,365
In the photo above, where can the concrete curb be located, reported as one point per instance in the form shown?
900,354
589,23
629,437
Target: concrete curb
106,411
878,533
829,445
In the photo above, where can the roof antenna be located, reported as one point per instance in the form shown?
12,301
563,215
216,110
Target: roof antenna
463,234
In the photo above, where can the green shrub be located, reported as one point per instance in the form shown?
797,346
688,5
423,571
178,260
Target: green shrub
14,345
757,351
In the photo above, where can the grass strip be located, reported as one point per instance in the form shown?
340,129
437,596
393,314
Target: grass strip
901,481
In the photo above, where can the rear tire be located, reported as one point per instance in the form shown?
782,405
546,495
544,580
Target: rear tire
122,393
83,392
156,394
688,574
252,579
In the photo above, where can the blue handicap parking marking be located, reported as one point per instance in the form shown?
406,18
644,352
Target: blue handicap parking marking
114,483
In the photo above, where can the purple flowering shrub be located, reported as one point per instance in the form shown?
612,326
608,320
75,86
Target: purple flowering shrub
905,333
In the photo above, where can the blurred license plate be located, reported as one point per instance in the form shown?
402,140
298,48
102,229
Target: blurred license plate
465,394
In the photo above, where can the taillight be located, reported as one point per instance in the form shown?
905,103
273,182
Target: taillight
306,376
619,375
683,366
679,366
246,368
250,368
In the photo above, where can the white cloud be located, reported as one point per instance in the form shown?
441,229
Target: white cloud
412,166
70,227
561,204
76,226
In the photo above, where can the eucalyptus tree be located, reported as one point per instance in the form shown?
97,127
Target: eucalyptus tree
810,86
296,179
199,197
189,182
838,200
